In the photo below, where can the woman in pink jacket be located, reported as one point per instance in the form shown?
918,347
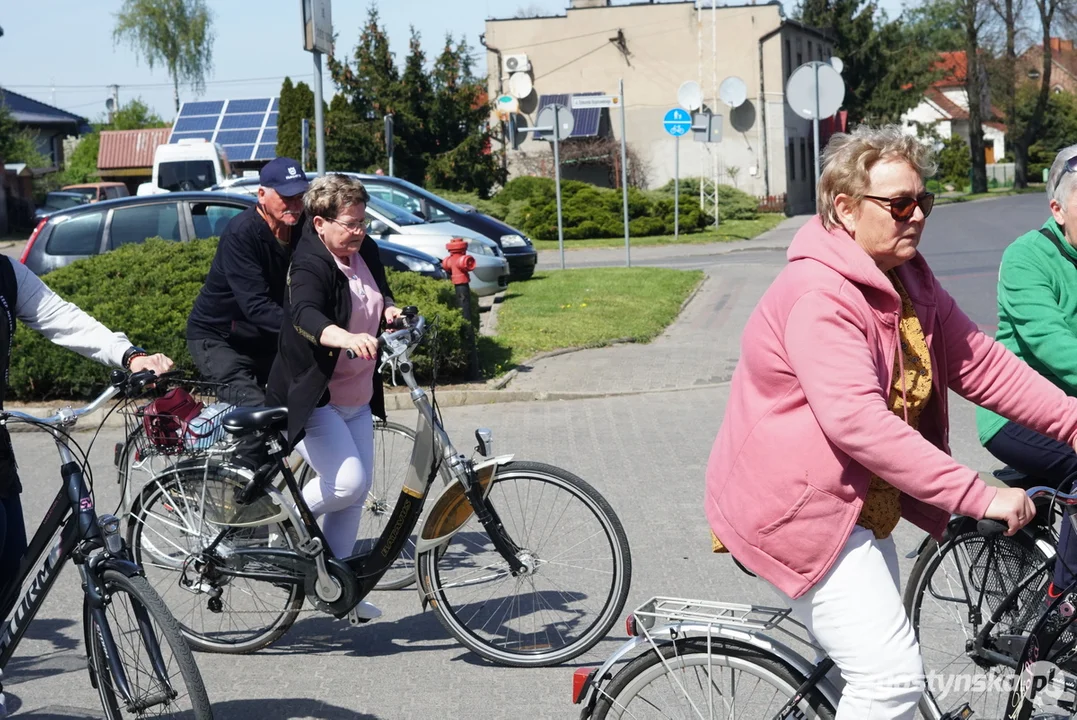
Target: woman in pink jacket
837,425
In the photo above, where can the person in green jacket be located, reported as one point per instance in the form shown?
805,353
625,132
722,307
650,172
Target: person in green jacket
1037,320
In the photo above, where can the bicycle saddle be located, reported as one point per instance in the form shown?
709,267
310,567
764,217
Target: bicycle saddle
244,420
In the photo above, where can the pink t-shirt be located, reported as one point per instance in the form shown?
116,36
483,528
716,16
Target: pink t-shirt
352,384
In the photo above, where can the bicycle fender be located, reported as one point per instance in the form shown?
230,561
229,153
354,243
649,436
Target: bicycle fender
451,509
605,673
121,565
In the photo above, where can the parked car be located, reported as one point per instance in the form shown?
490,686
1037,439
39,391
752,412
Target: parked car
386,220
517,247
95,192
88,230
58,200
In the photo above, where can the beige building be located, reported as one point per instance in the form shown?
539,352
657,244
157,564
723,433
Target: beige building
766,149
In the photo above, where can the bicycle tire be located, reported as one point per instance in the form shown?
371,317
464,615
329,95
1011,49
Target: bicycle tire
211,491
392,457
686,657
169,639
522,643
998,563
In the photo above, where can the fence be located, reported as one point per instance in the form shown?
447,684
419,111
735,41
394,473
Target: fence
1001,173
772,204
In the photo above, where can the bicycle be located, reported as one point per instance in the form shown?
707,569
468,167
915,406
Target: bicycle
705,659
140,462
131,638
993,589
217,548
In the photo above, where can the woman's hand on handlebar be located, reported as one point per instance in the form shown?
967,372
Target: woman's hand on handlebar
361,345
392,312
1012,506
158,363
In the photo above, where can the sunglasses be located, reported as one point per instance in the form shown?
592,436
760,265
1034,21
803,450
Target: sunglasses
903,206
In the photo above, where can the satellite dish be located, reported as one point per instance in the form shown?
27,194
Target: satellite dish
837,64
733,91
520,85
110,104
505,105
690,96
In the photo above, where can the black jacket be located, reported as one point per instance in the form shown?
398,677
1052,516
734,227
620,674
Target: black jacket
244,290
317,297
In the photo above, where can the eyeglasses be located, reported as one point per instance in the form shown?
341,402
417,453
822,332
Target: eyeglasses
903,206
356,228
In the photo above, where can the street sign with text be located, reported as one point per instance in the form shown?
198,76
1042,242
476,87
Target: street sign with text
580,102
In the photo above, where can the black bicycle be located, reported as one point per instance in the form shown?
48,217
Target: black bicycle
138,660
524,563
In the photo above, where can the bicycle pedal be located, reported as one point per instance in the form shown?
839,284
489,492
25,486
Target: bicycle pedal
962,713
362,613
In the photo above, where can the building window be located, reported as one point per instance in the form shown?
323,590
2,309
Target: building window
803,159
800,51
809,50
792,160
788,59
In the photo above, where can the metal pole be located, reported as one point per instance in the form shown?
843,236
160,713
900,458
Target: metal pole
557,182
319,119
624,174
815,122
676,187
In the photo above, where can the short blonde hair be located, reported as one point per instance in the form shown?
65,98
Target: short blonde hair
849,157
328,195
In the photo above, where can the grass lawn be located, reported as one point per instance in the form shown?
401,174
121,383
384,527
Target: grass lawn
727,231
583,308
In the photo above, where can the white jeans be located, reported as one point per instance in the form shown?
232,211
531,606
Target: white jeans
339,445
855,614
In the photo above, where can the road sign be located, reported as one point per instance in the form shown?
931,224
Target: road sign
800,91
706,127
677,122
582,102
318,26
565,123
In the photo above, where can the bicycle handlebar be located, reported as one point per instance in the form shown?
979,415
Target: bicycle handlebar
132,384
411,327
992,528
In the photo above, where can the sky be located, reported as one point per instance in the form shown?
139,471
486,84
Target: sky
61,51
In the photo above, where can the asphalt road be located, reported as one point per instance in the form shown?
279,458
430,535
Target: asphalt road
646,453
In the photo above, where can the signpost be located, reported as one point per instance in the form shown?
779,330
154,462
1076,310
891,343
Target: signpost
581,102
557,120
389,141
318,39
677,122
815,90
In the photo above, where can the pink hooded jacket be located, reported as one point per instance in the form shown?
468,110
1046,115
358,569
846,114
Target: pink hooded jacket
807,420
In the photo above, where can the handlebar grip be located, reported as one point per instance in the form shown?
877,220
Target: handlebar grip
991,528
350,353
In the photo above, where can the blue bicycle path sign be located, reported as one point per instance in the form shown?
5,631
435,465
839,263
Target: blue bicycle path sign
677,122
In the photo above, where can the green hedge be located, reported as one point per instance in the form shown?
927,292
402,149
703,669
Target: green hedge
733,204
147,292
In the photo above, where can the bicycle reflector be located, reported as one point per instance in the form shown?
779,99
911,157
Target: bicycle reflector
581,679
630,626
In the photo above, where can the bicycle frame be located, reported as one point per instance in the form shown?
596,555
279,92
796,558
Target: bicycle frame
71,531
432,448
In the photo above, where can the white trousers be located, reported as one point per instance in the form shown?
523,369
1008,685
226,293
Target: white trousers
339,445
855,614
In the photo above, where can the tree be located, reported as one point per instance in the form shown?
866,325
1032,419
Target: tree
175,33
82,163
935,26
135,115
974,16
8,130
296,104
344,147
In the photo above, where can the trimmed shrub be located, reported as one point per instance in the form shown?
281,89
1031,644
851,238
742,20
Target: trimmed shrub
147,291
733,204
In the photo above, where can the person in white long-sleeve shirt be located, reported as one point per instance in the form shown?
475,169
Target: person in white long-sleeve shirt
23,296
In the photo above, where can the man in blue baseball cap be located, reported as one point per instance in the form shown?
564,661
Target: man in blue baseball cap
233,326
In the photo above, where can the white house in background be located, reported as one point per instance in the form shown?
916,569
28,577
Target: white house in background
945,106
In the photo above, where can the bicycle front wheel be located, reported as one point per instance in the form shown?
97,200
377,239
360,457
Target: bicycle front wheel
174,519
943,602
142,629
687,678
579,569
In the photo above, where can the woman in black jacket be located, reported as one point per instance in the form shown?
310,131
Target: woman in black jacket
337,300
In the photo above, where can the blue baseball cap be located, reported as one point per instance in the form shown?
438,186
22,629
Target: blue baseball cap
285,176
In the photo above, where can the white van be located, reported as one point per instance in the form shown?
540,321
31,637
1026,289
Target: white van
190,164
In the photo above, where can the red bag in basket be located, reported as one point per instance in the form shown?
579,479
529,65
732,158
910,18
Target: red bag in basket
166,419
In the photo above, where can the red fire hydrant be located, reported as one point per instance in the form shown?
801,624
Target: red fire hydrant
459,264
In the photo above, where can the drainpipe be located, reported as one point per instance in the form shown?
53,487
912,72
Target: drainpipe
500,92
763,111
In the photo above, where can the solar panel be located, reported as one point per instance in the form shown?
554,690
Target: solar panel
587,120
245,128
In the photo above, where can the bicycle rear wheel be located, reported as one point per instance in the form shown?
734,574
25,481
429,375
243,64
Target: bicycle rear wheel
726,681
174,519
581,569
941,599
392,457
140,625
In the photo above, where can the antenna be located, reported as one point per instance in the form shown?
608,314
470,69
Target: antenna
690,96
733,92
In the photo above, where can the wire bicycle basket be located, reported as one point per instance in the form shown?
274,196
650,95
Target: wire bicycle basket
184,418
